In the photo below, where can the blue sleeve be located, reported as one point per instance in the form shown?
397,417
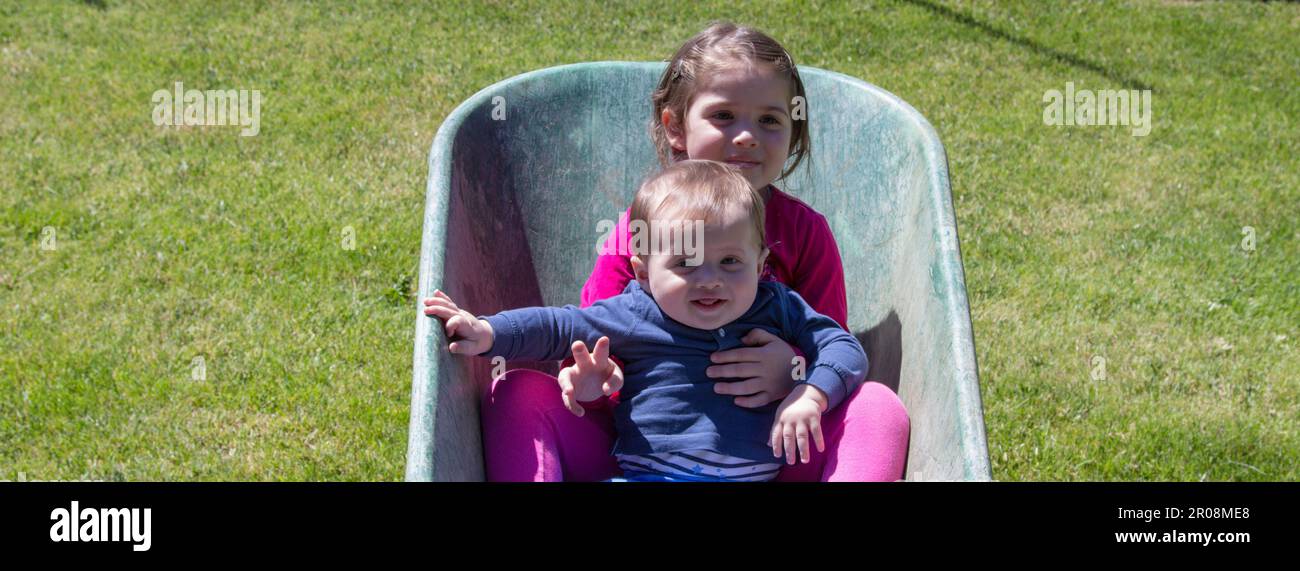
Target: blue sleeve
547,333
836,364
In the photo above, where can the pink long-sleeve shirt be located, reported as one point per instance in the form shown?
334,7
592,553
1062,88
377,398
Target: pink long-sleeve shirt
803,256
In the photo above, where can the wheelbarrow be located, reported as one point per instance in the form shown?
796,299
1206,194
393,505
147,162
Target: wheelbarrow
522,174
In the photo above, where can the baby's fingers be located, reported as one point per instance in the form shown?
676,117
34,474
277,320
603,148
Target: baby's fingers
437,308
817,436
801,436
774,439
581,356
615,381
455,322
443,298
601,354
791,445
566,392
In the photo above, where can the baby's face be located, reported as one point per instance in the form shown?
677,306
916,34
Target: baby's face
721,287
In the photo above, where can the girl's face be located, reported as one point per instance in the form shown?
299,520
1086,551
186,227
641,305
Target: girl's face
740,117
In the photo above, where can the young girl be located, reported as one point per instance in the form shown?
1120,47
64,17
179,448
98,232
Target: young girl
727,95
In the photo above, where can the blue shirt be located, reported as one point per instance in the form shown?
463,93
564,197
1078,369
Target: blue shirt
667,403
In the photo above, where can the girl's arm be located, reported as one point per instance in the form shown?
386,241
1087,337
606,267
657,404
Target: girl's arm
613,269
819,273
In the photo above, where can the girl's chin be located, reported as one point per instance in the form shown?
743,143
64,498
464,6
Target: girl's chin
756,179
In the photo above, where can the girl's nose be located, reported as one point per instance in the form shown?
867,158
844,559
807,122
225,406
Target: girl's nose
745,138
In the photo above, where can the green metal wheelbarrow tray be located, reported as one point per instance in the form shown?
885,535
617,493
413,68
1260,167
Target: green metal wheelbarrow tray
522,173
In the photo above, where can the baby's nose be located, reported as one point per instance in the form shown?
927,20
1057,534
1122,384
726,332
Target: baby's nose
707,278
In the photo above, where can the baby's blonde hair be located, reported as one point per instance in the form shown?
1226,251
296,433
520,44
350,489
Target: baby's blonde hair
699,190
722,46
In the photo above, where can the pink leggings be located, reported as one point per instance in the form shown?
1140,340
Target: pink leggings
528,436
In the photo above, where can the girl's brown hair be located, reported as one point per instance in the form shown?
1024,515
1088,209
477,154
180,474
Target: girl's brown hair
718,47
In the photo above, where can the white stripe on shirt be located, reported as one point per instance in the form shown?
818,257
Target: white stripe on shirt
701,463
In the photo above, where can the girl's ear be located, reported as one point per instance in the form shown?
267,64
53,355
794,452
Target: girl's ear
673,129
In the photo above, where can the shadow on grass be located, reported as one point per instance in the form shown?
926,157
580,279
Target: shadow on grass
1066,58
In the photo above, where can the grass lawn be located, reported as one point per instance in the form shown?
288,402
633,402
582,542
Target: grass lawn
1122,330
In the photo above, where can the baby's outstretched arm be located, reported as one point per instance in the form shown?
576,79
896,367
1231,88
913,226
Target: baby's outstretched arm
469,335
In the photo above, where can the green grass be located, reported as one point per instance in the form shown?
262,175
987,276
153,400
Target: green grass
175,244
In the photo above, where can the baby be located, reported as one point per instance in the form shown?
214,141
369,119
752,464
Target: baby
682,307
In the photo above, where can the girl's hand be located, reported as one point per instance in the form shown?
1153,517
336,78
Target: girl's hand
764,364
590,376
469,335
798,418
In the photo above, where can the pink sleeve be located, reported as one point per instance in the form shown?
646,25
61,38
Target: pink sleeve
613,269
819,277
610,275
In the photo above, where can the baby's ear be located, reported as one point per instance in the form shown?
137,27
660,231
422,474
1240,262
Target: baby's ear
762,260
673,130
639,270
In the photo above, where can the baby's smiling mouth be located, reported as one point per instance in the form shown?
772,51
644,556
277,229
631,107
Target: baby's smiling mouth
708,303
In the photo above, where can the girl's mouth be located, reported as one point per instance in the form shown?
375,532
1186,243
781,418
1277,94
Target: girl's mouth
744,164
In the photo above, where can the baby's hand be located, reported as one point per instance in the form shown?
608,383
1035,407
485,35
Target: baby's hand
469,335
590,376
798,417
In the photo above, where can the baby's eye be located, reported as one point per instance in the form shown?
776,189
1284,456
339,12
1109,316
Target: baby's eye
771,120
683,263
722,115
731,260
